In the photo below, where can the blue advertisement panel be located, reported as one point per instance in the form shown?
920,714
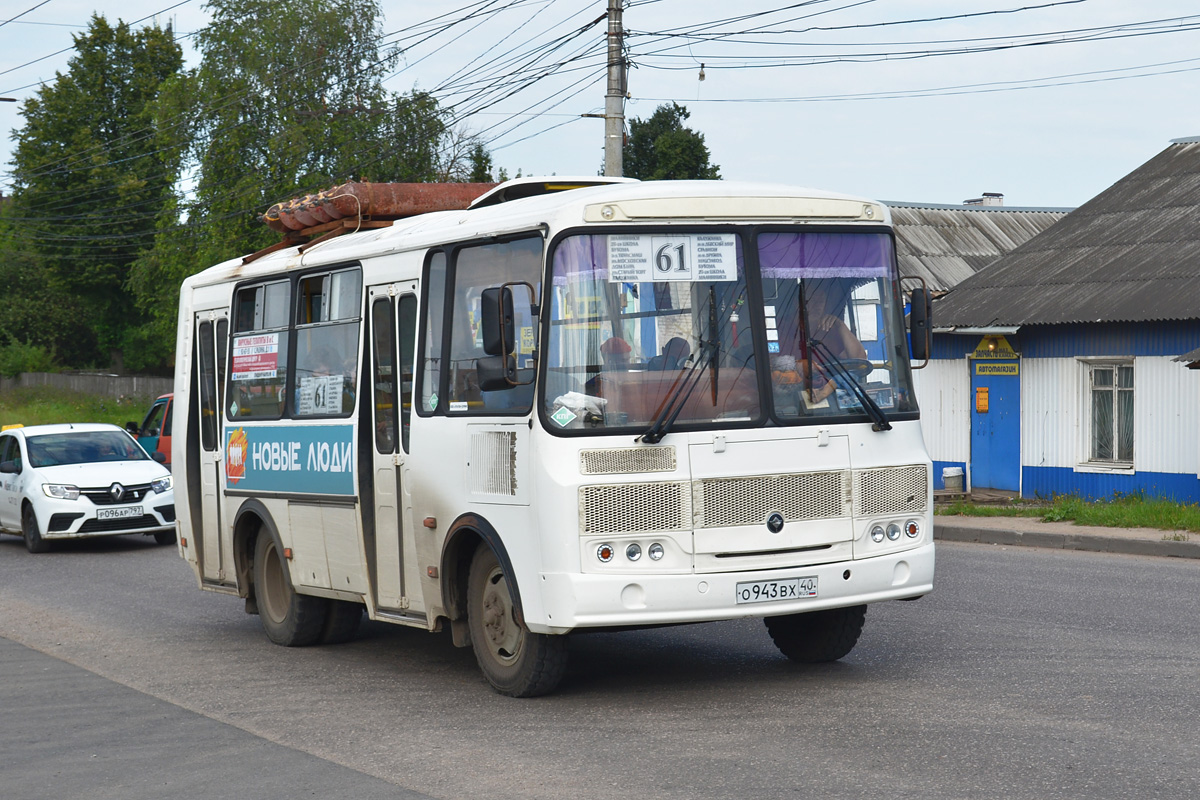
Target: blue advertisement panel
312,459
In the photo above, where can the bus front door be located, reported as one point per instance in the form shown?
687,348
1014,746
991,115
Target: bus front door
211,335
391,556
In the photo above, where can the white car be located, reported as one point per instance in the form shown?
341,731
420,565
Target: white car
76,480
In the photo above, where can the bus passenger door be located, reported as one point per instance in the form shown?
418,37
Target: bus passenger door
392,560
212,332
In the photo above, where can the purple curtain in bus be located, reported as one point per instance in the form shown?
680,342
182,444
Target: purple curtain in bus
825,255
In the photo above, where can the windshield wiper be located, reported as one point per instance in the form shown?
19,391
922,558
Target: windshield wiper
683,390
878,418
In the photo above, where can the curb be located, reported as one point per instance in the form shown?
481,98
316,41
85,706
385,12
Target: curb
1067,541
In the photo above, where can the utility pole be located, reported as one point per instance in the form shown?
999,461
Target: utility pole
614,98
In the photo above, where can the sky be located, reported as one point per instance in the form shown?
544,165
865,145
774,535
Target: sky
932,101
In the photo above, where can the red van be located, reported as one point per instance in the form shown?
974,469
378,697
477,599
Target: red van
154,434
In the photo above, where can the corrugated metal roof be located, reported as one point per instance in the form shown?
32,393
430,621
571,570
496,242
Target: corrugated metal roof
948,244
1131,254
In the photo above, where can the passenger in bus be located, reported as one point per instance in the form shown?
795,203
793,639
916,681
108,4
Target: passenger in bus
825,325
674,355
615,352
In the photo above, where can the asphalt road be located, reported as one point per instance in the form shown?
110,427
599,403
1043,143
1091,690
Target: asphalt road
1026,674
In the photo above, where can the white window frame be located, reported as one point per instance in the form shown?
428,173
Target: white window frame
1085,461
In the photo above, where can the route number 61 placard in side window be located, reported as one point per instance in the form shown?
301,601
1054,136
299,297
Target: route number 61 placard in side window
642,258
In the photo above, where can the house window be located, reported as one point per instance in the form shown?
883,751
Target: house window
1111,396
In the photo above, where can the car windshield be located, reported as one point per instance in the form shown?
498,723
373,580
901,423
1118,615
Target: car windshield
82,447
659,329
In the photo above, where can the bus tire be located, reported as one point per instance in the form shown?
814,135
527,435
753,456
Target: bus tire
34,542
341,623
289,618
817,636
515,661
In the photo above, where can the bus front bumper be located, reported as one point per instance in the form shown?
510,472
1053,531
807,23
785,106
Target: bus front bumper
605,601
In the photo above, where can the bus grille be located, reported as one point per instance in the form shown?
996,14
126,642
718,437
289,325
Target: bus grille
730,502
723,502
630,507
493,463
622,460
892,490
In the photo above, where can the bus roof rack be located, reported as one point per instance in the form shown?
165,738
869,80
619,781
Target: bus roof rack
356,205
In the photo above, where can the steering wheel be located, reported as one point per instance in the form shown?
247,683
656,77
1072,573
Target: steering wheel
858,367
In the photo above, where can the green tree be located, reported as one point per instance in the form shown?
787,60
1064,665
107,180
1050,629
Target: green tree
89,180
287,100
662,148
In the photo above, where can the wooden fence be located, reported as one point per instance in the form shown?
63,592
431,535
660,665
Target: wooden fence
115,386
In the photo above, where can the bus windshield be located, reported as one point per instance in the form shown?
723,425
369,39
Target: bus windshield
655,325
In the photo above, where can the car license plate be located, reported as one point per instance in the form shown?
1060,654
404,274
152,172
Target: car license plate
766,591
124,512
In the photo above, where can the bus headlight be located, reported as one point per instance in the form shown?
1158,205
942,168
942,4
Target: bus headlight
656,552
633,552
912,529
893,531
877,534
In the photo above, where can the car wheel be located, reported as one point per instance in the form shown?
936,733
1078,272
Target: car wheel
818,635
164,537
34,542
515,661
290,619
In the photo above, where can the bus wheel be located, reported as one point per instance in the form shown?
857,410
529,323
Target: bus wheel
290,619
515,661
818,635
341,624
34,542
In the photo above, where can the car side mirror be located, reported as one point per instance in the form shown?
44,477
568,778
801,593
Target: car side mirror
159,457
10,467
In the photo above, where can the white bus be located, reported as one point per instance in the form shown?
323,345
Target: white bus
624,405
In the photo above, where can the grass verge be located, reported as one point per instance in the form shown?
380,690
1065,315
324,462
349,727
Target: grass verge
1119,511
42,406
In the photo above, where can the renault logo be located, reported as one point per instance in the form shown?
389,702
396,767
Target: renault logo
775,522
116,492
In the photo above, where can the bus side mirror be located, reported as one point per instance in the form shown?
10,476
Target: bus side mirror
919,318
496,321
494,374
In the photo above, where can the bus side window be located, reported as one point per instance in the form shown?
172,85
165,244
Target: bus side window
258,362
476,269
407,324
326,379
384,378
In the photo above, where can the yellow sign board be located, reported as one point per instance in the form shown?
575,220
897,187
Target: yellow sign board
981,400
996,369
994,347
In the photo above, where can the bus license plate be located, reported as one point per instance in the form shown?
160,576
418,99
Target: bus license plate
766,591
124,512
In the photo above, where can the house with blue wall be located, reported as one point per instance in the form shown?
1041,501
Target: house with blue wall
1056,369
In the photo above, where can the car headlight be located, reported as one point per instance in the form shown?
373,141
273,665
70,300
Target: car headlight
161,485
61,491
